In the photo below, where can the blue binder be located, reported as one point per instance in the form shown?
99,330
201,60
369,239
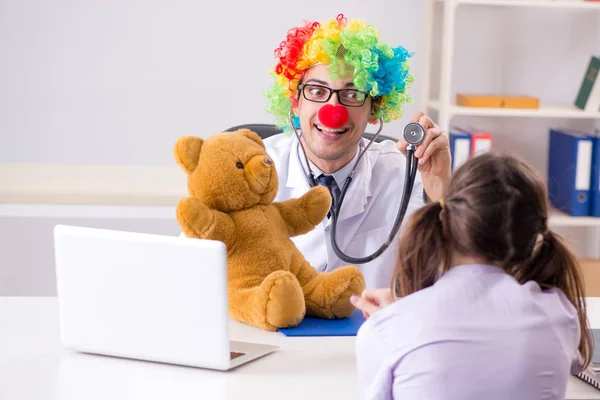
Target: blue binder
460,148
311,326
595,184
569,171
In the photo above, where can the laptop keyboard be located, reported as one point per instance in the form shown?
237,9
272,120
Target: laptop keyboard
233,355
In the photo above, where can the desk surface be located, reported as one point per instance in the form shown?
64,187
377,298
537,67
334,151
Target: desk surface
33,365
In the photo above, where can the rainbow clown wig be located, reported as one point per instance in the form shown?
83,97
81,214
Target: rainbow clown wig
348,48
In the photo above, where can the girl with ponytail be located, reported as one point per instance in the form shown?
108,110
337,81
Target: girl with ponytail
486,301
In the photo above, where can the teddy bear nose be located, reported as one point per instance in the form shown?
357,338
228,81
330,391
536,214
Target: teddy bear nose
267,160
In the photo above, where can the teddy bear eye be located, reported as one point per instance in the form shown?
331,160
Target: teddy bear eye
240,165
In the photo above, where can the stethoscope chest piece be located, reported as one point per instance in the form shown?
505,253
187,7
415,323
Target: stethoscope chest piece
413,133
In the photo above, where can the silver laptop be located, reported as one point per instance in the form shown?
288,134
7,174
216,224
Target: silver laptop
146,297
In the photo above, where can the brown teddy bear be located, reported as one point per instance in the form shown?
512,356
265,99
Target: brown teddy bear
232,183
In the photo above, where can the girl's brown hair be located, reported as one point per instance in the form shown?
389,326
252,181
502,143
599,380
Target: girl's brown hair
495,209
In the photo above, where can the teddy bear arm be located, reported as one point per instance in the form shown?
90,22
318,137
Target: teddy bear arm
199,221
222,228
303,214
295,217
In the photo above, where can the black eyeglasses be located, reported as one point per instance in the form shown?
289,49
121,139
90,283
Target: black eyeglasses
322,94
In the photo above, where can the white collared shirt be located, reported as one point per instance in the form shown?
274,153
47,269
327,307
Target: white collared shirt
367,214
339,176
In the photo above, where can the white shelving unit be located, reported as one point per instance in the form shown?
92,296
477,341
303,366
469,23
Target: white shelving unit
447,109
445,104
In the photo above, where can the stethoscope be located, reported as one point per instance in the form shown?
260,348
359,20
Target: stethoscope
413,133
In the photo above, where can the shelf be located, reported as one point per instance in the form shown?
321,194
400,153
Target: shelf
92,185
573,4
545,111
558,218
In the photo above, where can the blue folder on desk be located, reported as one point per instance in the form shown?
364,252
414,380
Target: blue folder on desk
311,326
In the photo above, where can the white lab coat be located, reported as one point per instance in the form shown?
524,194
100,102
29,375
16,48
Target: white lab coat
368,211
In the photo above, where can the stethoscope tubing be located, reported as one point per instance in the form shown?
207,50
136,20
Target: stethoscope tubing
409,180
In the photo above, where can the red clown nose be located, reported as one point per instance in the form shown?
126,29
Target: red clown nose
333,116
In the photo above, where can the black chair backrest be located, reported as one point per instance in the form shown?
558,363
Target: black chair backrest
266,130
263,130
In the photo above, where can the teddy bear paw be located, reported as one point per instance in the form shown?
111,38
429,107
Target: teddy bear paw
331,297
193,216
284,305
342,307
317,204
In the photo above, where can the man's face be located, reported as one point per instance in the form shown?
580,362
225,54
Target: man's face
331,148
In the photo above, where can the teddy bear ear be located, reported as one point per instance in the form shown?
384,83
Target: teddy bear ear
187,152
252,136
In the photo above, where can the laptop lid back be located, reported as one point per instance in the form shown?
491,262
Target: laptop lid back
143,296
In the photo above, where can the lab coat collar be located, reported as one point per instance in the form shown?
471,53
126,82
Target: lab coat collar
359,191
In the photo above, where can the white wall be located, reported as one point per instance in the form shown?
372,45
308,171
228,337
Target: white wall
116,82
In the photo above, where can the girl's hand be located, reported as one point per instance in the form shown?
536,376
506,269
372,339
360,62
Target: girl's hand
371,301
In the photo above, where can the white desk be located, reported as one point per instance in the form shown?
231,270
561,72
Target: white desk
33,365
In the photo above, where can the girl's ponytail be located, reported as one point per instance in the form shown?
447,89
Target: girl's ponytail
421,251
554,265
